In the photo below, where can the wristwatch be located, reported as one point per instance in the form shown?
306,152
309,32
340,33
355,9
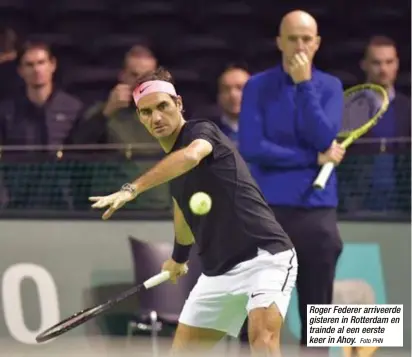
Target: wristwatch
129,188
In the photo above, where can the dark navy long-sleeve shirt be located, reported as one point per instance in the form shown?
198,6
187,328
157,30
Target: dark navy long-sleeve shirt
282,128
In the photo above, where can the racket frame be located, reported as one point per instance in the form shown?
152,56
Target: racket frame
327,169
91,312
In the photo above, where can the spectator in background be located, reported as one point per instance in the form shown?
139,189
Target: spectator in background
42,115
226,113
381,181
381,64
230,89
10,82
116,121
290,117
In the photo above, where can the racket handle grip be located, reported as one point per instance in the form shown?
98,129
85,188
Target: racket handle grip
157,279
323,175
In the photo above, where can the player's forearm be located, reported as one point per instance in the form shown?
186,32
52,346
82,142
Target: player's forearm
183,233
174,165
183,236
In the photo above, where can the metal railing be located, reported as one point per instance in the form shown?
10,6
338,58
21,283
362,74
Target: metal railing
56,181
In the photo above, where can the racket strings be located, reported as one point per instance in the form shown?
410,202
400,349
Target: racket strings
359,108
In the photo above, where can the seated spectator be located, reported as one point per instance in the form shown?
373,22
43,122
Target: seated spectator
381,64
230,88
41,115
116,121
378,174
10,82
44,114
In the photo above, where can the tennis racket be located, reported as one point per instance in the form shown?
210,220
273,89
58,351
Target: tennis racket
85,315
364,105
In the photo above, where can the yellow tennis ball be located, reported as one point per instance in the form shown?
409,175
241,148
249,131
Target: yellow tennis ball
200,203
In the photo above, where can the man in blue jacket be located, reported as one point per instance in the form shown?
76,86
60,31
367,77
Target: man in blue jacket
289,120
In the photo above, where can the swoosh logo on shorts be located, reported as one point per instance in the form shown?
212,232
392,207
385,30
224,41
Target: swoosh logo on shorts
255,294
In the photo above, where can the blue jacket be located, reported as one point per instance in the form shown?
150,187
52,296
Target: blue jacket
283,127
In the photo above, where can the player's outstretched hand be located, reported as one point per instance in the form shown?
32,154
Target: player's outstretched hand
176,269
114,202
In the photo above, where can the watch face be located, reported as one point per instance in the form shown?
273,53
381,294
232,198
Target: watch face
128,187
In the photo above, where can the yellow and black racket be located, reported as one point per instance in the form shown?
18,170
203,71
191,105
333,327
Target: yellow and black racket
83,316
363,107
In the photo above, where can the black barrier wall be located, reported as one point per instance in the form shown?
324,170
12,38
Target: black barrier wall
55,268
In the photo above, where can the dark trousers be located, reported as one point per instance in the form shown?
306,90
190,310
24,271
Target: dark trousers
318,245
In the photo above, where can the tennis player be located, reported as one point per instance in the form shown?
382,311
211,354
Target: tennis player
249,263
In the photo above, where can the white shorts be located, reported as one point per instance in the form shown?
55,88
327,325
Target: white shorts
222,302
